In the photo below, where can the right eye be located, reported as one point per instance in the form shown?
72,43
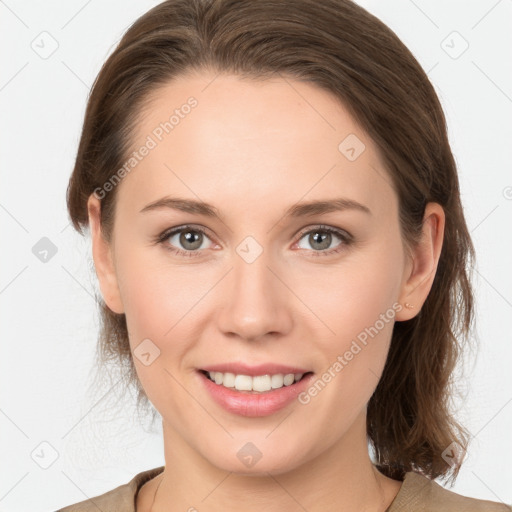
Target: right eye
189,237
345,238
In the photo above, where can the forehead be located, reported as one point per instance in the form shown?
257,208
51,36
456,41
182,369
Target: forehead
276,141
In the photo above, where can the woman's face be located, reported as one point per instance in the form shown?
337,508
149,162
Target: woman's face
261,285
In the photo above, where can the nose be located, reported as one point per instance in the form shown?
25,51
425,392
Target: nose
255,302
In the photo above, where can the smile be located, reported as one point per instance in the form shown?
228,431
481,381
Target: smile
257,383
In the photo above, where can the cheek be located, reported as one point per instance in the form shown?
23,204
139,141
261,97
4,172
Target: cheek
361,315
355,301
155,294
158,308
352,295
163,305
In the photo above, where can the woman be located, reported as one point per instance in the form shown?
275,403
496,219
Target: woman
282,252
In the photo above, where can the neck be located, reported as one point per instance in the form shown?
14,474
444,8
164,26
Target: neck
340,479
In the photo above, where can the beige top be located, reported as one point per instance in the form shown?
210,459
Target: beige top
417,494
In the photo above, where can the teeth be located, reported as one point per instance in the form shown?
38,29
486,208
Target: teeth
259,383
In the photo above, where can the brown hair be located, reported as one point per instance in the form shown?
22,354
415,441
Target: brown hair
345,50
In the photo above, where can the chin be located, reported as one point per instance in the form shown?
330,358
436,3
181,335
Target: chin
249,461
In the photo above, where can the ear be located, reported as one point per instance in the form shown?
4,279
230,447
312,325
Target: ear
423,260
103,260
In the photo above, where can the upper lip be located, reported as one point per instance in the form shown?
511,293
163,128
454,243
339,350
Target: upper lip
260,369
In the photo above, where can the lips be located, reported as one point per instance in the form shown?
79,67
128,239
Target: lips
249,404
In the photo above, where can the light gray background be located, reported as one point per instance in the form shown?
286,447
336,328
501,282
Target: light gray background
48,314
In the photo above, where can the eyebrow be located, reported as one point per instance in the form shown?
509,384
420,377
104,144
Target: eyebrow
304,209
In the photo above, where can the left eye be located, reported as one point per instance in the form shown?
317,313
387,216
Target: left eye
190,238
321,238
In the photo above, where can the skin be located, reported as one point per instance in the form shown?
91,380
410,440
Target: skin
252,149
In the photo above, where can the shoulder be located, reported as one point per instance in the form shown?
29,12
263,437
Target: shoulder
120,499
419,493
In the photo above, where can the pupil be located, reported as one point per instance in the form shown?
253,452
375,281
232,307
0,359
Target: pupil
323,238
188,237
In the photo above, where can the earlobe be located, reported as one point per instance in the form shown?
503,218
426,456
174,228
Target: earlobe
421,270
103,261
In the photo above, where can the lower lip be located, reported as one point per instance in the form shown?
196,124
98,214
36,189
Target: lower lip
245,403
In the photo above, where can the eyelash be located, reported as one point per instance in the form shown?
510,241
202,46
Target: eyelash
345,237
